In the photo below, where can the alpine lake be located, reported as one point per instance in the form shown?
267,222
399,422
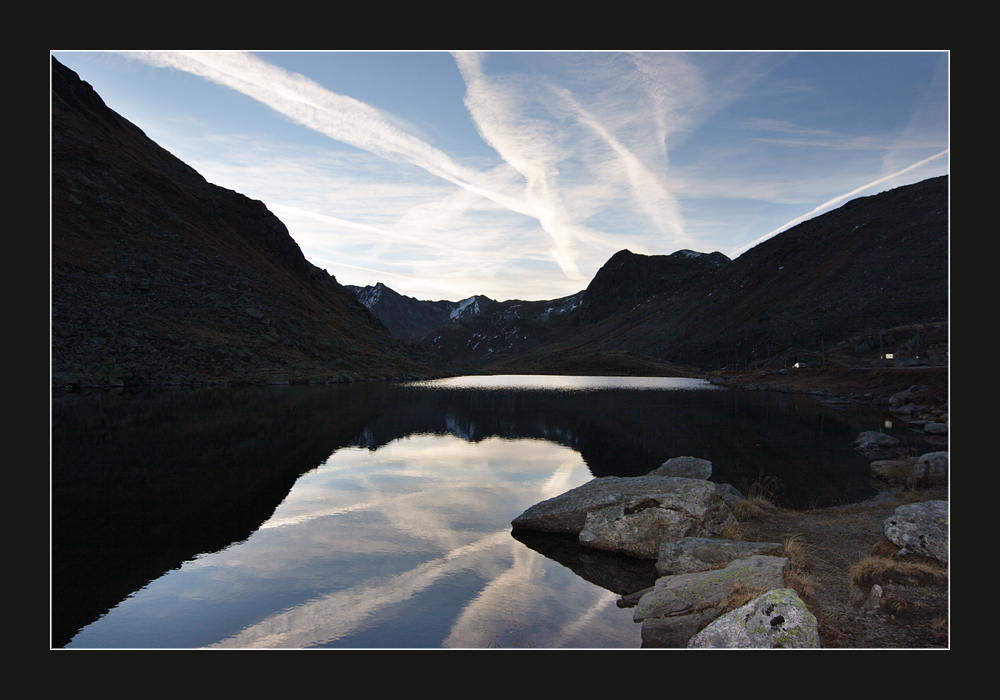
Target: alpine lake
377,515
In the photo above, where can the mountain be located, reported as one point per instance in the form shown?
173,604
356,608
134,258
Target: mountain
876,263
160,277
866,275
506,328
407,318
628,278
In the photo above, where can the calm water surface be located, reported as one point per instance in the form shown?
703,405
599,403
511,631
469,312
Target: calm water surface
378,516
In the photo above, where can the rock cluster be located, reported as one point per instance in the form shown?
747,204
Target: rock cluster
678,517
878,446
920,412
713,591
904,583
930,469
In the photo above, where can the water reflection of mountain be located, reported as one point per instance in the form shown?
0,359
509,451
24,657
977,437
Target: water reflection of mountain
141,484
803,444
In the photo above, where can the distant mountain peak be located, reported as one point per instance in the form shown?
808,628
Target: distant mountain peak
695,255
407,318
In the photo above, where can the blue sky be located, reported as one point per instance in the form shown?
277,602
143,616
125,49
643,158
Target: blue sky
517,175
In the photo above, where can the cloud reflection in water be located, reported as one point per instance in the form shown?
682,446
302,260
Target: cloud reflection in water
405,546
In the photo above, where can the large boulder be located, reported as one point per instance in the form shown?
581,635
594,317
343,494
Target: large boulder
698,509
638,527
688,467
777,619
893,471
915,394
729,493
921,528
929,469
679,606
932,468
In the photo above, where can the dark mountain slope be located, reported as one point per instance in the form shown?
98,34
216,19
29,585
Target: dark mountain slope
876,263
159,276
627,279
541,336
409,319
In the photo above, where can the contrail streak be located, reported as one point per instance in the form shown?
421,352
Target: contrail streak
348,120
835,200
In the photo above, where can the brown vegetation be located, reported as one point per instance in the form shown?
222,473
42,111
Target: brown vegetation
835,549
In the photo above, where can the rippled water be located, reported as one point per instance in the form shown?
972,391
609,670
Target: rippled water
378,516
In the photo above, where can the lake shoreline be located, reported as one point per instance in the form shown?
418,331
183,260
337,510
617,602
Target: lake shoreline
874,385
837,538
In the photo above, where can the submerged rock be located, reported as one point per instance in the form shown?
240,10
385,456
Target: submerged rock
875,445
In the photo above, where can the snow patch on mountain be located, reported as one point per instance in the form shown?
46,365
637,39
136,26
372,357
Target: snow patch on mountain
466,307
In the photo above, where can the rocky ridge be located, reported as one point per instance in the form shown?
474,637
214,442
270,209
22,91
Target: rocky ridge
853,275
408,319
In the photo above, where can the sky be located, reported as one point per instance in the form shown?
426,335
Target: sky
519,174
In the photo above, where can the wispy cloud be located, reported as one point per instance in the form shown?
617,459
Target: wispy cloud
648,186
588,137
592,152
527,183
341,118
524,143
793,136
306,102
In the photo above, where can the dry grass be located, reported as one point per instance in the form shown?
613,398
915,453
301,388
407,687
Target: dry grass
740,594
913,589
885,548
824,544
759,499
914,494
797,552
798,576
739,531
830,637
882,570
939,625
